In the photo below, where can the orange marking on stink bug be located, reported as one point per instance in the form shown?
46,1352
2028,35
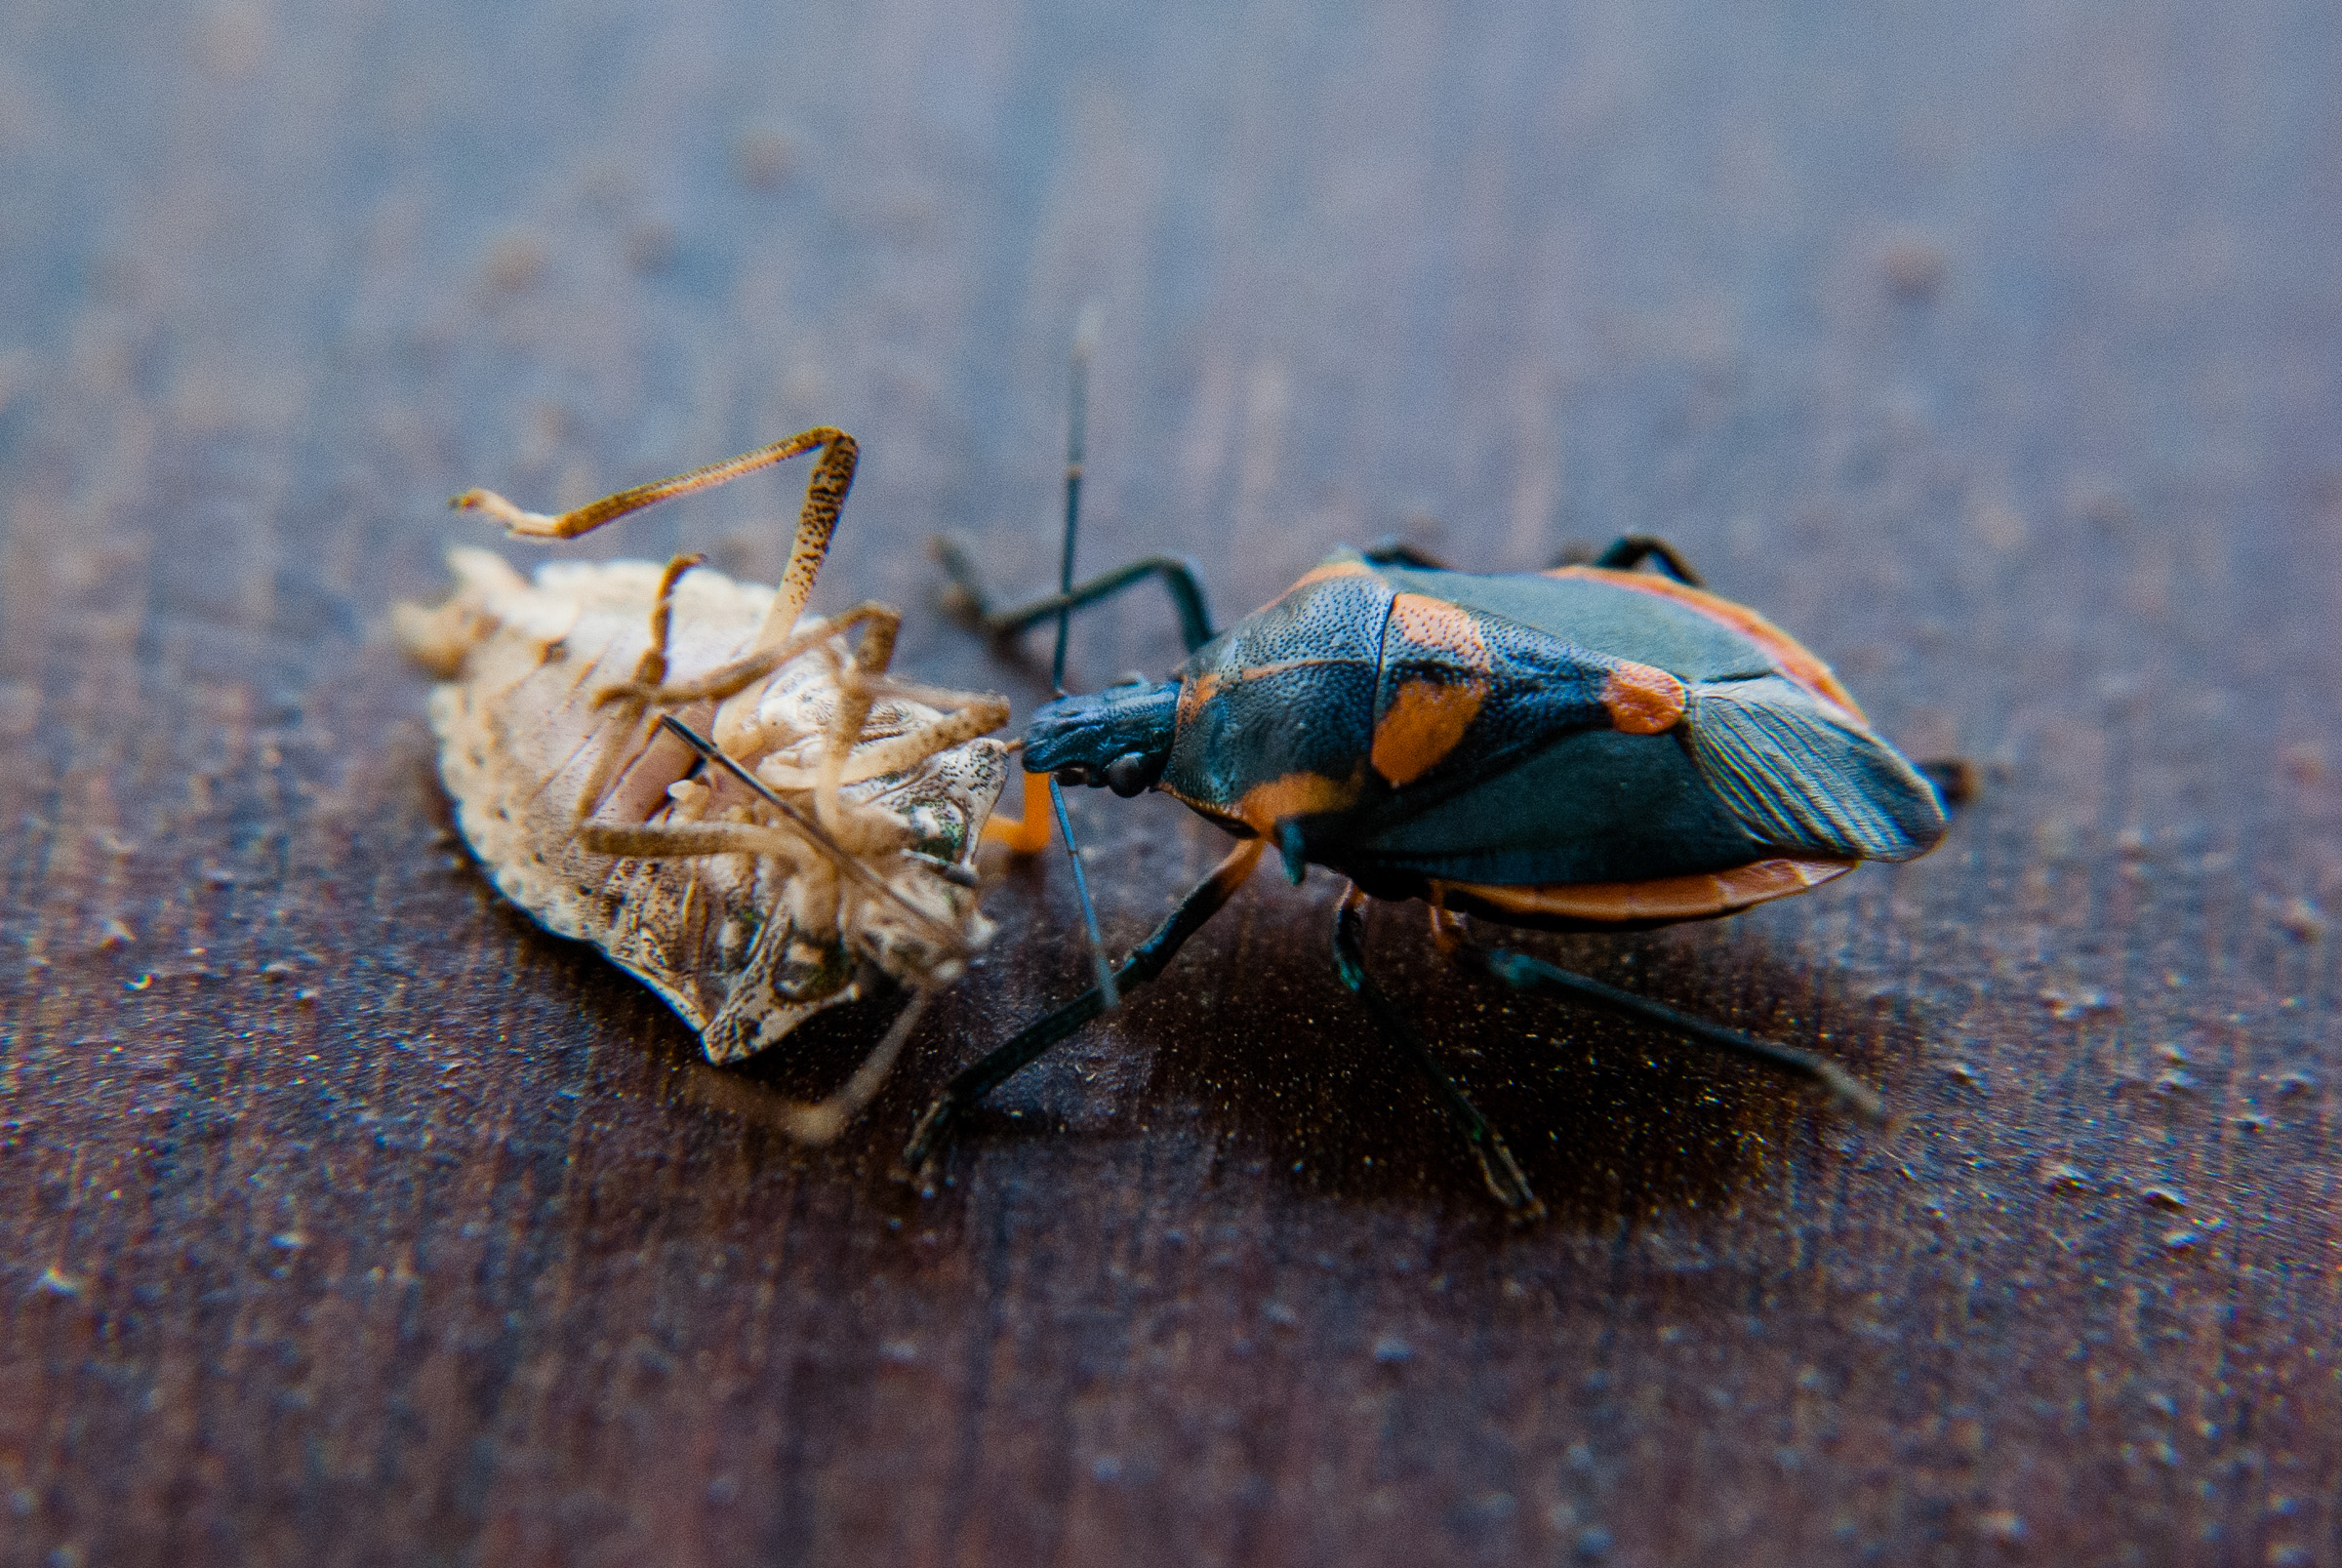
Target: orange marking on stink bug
1426,720
1794,659
1031,835
1667,898
1430,622
1195,692
1294,794
1642,700
1324,572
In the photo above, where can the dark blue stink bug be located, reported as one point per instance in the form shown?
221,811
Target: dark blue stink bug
1589,748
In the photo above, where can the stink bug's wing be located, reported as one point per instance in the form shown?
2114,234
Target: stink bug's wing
1798,776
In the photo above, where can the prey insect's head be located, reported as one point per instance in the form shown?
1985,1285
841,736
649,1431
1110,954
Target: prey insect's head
1120,737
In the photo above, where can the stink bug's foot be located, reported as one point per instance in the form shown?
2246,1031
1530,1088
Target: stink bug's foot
1520,971
1958,780
922,1160
1505,1180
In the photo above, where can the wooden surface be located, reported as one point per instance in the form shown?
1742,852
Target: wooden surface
1995,350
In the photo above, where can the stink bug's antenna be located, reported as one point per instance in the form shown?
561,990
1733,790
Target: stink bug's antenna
1077,419
1085,337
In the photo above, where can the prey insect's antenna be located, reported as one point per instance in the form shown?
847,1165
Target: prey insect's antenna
1085,337
847,862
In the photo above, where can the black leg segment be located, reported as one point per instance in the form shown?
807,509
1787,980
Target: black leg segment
1178,579
1534,973
1145,961
1497,1166
1633,551
1396,551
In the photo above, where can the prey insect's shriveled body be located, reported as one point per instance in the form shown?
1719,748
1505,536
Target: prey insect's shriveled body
737,803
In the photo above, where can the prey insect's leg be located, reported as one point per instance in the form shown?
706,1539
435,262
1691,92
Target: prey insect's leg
820,1121
1532,974
825,493
1178,579
1497,1166
649,671
730,679
1629,552
1145,961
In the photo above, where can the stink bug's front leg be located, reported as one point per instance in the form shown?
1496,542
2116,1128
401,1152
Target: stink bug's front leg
1498,1168
1145,961
1179,579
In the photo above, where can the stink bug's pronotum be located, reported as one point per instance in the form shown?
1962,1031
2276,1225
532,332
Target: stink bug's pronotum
1589,748
738,803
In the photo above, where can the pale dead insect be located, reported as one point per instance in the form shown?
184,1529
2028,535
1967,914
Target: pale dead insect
736,802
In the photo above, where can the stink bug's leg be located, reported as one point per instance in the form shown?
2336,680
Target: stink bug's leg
1531,974
1396,551
1633,551
1180,580
1957,781
1497,1166
1446,929
1145,961
1109,996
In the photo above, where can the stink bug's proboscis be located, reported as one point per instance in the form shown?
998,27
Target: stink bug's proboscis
1603,745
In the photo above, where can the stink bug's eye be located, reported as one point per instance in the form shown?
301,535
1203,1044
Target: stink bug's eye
1130,773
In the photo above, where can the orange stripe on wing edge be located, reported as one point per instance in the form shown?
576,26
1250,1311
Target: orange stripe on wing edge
1796,660
1667,898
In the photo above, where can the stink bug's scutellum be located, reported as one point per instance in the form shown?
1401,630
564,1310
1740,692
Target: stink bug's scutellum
1592,747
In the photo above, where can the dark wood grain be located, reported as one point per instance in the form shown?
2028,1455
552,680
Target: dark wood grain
1996,349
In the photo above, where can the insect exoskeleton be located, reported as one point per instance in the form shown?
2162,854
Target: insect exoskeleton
737,802
1588,748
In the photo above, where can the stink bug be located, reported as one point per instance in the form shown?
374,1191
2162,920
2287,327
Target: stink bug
1592,747
819,836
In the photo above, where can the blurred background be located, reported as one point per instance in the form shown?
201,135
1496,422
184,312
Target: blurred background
1996,353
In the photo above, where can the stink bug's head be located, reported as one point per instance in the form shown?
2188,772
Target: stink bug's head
1120,737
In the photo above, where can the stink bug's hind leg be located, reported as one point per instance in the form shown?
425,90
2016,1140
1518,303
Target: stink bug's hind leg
968,601
1628,553
1524,973
1957,781
1498,1168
